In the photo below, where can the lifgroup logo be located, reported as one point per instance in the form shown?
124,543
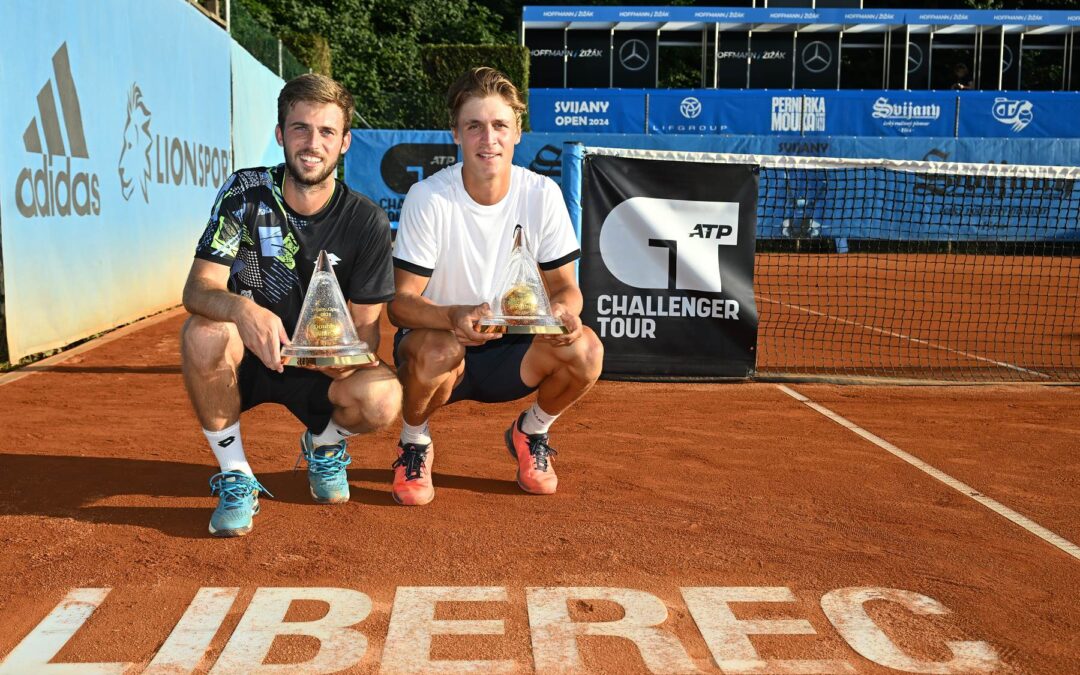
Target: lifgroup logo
57,187
690,107
1017,114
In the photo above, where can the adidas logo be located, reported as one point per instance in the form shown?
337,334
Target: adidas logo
53,189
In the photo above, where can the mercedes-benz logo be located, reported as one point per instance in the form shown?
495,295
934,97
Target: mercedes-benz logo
1006,58
816,56
690,107
914,57
634,54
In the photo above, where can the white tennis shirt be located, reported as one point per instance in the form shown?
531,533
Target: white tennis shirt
463,247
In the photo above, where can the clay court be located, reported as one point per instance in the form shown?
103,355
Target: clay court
688,516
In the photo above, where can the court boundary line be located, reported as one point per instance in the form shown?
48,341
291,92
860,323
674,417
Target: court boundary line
964,489
43,365
920,341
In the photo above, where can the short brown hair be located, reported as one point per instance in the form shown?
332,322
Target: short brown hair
314,88
480,83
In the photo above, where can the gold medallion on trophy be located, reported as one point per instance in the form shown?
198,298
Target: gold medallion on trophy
325,334
522,300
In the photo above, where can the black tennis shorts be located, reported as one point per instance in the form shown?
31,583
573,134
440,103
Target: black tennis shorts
304,392
492,370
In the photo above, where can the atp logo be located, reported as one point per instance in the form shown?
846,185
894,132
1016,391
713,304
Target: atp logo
1018,114
134,162
671,244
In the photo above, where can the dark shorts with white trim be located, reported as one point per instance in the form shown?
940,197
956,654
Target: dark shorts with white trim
492,370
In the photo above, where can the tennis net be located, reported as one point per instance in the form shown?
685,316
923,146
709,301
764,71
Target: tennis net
914,270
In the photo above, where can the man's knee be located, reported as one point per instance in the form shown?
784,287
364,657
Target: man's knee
205,343
382,405
433,353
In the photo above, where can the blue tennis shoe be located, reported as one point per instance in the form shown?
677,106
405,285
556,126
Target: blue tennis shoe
238,502
326,470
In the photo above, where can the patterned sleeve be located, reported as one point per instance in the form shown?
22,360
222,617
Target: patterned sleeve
221,239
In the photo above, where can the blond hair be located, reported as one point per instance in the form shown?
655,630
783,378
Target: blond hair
480,83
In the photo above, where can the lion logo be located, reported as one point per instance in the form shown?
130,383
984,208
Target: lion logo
135,153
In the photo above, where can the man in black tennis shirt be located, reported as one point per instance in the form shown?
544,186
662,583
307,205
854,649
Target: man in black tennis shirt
247,285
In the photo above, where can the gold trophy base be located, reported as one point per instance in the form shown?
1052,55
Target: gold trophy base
329,361
539,325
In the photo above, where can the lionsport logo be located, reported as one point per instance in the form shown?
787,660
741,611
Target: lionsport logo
57,187
147,158
1018,114
135,154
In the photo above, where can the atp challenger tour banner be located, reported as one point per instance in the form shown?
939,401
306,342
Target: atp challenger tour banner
667,271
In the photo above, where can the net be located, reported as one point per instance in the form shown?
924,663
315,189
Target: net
913,270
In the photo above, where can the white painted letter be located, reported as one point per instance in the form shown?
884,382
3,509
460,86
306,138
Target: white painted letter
188,642
412,623
844,607
727,636
33,654
554,634
341,647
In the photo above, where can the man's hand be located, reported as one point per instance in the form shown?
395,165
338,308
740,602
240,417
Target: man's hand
263,334
464,318
570,320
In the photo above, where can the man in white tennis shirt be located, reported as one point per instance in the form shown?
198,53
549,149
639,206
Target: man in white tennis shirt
453,242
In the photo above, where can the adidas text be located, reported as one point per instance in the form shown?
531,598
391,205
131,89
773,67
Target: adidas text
51,192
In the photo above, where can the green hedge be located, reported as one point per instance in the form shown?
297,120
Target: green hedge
444,63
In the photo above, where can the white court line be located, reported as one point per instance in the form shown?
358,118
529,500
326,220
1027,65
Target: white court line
995,506
905,337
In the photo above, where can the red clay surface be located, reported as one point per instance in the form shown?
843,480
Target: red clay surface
931,316
103,477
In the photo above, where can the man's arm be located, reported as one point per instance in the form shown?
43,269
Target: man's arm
410,309
566,302
206,294
366,320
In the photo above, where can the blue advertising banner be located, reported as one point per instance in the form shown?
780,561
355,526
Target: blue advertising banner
384,164
890,113
114,147
1019,114
255,89
818,112
588,110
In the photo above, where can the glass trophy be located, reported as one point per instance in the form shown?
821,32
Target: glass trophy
522,304
325,334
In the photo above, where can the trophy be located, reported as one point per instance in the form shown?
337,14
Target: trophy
325,334
521,305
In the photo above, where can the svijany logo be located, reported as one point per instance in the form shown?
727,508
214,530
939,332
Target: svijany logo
149,158
690,107
1018,114
671,244
57,187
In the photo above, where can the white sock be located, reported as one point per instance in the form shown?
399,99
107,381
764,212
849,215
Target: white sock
536,421
420,434
229,449
331,435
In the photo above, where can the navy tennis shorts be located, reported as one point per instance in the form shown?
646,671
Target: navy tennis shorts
304,392
492,370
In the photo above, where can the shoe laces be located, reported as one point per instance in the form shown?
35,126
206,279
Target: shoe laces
325,462
412,458
540,450
234,487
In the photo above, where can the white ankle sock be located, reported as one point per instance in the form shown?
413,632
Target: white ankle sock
229,449
331,435
420,434
536,421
